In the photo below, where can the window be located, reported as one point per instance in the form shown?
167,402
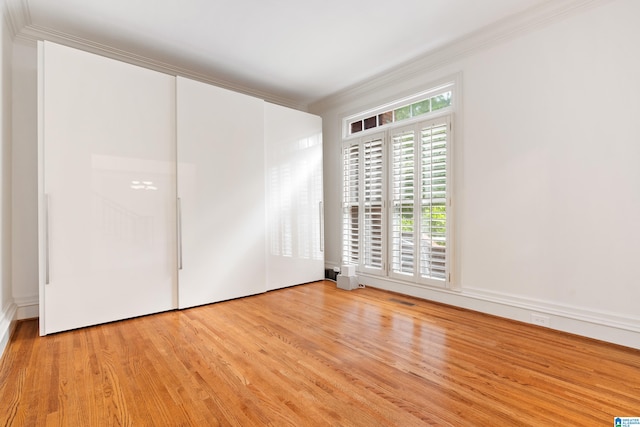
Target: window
363,203
419,201
409,108
396,185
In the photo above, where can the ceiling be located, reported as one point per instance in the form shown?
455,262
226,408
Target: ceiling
298,50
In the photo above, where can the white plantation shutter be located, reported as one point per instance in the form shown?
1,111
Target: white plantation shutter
350,204
419,201
403,202
373,204
433,200
363,222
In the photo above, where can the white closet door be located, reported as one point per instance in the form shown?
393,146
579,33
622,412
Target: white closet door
107,216
294,197
221,194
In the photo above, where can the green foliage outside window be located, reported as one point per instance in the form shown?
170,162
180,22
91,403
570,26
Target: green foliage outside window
435,215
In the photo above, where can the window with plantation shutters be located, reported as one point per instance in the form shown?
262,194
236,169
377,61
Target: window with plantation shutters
396,191
419,201
363,204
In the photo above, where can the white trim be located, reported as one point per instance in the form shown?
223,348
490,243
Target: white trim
19,18
456,139
37,33
599,325
7,325
17,15
27,307
330,265
631,324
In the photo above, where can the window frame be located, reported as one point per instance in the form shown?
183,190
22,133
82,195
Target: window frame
448,86
417,123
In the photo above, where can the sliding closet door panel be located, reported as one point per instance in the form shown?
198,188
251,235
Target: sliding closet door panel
221,191
109,189
294,197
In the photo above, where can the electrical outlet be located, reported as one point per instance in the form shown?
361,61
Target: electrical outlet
539,319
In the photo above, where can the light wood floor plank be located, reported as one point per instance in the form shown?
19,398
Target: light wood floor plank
314,355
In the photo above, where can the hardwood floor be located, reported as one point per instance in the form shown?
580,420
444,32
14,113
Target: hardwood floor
315,355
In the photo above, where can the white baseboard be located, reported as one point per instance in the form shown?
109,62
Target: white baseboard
28,307
7,325
331,265
602,326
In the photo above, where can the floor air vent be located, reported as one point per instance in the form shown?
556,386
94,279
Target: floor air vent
399,301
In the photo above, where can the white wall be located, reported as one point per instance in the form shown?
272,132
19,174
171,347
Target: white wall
7,307
547,173
25,179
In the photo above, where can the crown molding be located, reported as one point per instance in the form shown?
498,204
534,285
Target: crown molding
26,32
492,35
16,14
